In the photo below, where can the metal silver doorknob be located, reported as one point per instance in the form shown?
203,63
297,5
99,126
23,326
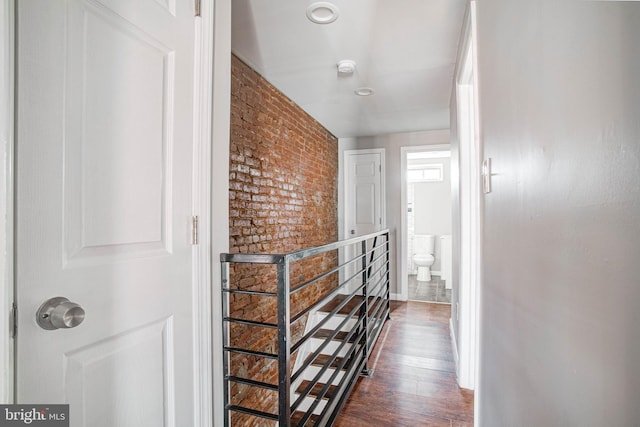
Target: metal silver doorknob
59,313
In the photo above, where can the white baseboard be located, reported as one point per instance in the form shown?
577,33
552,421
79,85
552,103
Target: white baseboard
395,297
454,346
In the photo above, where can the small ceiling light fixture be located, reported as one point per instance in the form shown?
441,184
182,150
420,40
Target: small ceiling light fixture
346,67
364,91
322,12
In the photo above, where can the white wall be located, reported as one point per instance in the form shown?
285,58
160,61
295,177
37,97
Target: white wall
560,309
391,143
432,207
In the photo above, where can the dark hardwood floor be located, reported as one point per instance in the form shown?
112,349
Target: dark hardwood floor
414,382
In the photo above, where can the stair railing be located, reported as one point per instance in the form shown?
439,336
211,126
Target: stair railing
354,293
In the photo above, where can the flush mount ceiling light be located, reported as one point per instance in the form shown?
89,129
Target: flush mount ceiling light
346,67
364,91
322,12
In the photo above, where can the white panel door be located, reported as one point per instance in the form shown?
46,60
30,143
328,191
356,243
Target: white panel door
104,198
363,195
364,202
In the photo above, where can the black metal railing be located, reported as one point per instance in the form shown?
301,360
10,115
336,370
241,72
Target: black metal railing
345,305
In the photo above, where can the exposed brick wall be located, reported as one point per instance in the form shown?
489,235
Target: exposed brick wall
283,197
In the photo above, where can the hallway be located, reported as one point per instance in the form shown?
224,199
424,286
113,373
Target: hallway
414,382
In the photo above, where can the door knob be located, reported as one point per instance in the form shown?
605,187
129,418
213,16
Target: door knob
59,313
353,232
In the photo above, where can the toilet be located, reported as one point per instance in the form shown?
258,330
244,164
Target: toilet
423,247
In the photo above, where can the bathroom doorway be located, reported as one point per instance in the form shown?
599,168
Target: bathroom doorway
426,202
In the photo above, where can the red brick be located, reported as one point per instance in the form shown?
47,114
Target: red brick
283,177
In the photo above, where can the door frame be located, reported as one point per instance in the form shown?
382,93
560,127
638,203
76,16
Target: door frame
7,84
201,256
403,249
211,39
471,206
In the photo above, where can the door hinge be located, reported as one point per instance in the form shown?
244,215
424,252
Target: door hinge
198,7
194,230
14,320
380,168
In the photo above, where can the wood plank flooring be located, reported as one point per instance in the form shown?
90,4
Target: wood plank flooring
414,382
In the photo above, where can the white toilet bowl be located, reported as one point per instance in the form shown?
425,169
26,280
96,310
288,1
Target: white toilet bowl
423,247
424,263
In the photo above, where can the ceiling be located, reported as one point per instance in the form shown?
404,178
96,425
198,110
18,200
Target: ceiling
405,50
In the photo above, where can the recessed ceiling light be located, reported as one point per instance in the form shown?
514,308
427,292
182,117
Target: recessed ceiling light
322,12
364,91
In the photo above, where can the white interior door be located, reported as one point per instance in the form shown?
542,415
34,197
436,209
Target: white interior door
364,199
363,196
104,194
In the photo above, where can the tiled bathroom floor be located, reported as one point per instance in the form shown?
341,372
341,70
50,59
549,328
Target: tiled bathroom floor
433,291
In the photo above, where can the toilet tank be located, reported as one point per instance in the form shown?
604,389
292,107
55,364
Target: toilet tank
424,243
